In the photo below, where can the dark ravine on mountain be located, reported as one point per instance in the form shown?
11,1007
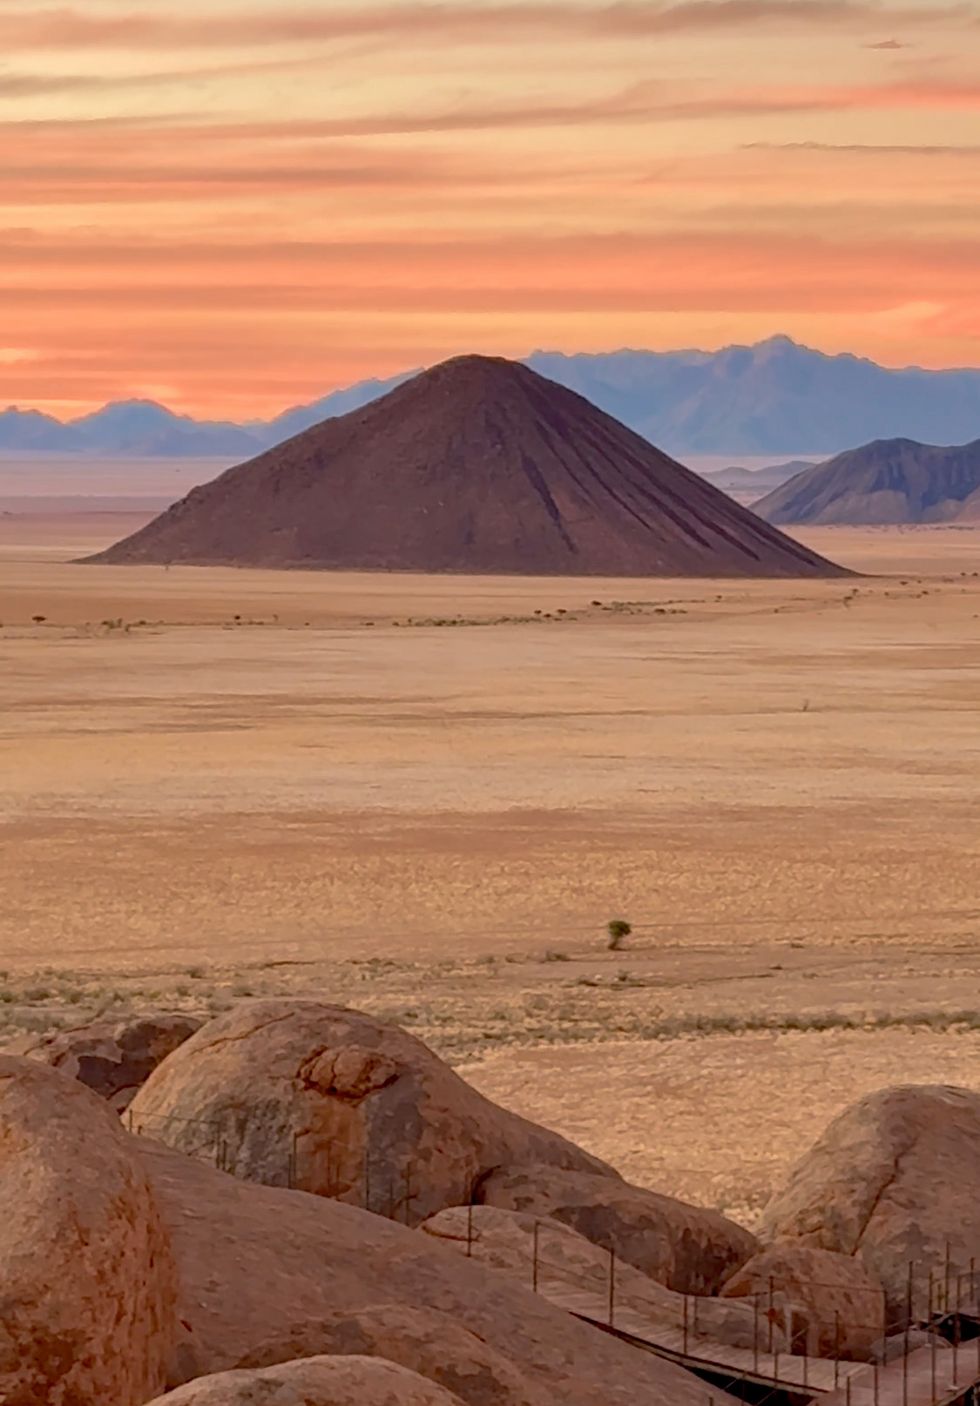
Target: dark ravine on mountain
479,465
890,482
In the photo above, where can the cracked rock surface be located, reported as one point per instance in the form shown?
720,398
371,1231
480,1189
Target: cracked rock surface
512,1242
308,1095
87,1279
265,1272
825,1304
114,1058
894,1181
686,1248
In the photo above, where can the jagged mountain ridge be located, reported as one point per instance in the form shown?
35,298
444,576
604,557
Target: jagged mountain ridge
774,398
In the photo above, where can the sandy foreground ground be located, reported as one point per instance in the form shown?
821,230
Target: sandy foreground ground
427,796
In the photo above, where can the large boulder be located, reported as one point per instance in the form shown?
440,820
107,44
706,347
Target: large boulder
113,1057
826,1304
258,1264
316,1381
312,1096
425,1341
683,1247
566,1267
895,1180
87,1281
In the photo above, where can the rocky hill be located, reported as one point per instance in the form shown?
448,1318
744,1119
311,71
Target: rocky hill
888,482
479,465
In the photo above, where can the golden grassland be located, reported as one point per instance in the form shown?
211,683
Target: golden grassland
426,796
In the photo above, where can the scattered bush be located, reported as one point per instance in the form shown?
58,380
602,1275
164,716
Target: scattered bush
619,930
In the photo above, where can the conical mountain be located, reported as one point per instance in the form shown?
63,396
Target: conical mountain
478,465
891,481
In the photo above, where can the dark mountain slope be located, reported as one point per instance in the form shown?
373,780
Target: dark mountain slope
478,465
889,481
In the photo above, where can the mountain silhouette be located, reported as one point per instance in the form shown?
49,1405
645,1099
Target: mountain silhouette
479,465
775,398
887,482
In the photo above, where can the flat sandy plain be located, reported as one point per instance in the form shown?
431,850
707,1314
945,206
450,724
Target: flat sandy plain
219,783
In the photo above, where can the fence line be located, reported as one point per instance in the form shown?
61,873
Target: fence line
940,1300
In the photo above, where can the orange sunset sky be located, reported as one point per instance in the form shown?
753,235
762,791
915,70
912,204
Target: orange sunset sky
233,206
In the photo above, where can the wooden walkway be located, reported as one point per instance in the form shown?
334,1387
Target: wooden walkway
936,1376
929,1376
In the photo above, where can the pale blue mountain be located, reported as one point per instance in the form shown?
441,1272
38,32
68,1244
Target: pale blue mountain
304,417
32,432
144,428
134,428
775,398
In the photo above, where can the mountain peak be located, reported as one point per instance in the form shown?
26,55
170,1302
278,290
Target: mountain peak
889,481
477,465
129,409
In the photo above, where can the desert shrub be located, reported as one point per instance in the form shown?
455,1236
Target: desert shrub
618,930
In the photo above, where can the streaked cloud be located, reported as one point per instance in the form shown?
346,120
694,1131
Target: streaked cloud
249,202
67,27
871,149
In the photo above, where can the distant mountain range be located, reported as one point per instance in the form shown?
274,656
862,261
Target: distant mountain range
747,485
773,398
888,482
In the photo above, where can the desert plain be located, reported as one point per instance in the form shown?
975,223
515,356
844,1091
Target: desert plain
426,796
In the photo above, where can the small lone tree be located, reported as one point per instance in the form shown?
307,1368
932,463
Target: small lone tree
619,930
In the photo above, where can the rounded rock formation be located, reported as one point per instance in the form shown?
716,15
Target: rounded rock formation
114,1058
259,1265
894,1180
87,1280
560,1262
315,1381
683,1247
825,1304
427,1342
311,1096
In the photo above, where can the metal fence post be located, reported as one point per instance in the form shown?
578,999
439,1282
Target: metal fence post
534,1261
612,1286
836,1349
956,1330
932,1364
